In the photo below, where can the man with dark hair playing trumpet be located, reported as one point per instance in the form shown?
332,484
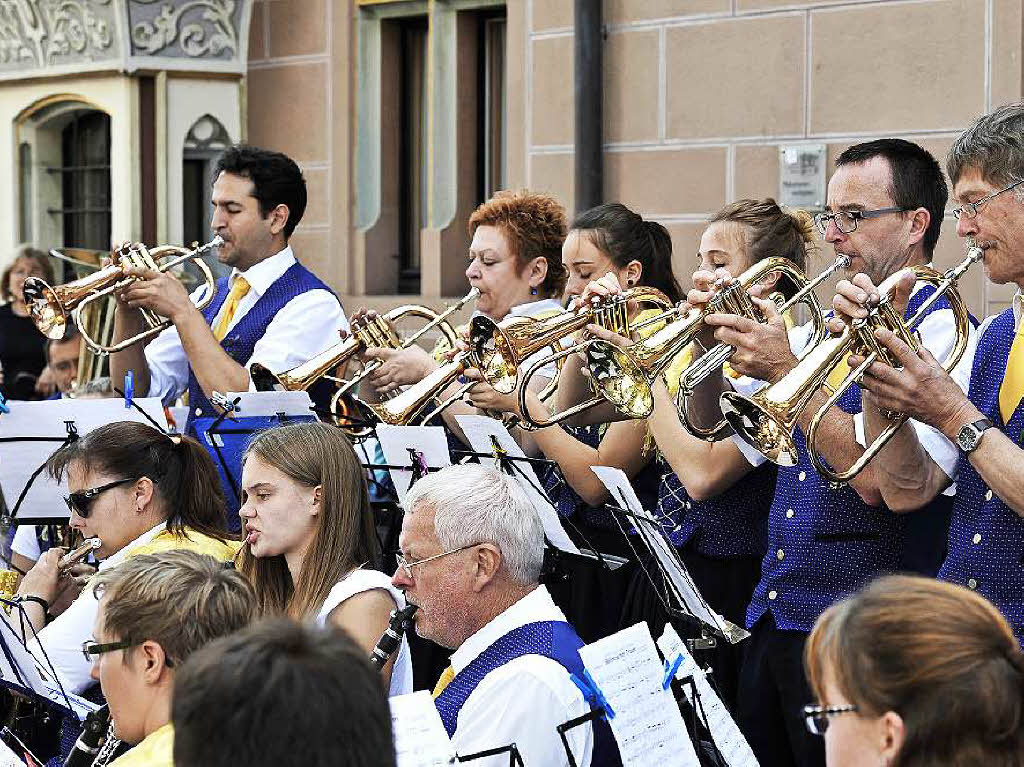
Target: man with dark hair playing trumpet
986,537
885,205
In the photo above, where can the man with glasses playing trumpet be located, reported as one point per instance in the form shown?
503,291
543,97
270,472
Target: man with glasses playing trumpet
986,537
270,310
885,207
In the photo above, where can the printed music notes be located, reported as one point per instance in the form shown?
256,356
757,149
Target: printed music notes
395,442
420,737
730,741
647,724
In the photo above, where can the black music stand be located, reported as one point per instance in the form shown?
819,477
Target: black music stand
515,759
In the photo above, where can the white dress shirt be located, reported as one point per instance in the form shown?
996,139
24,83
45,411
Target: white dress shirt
524,700
61,640
937,332
306,325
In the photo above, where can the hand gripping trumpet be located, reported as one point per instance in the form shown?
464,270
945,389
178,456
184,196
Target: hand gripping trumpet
78,554
712,361
767,420
50,306
625,377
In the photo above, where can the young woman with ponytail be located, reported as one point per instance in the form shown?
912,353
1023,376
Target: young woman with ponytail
139,491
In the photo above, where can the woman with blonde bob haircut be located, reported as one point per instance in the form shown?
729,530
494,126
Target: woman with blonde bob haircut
913,672
311,548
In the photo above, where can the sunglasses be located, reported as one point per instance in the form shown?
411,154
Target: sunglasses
80,502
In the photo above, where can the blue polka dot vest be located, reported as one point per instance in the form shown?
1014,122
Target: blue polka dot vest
823,544
241,339
556,640
732,524
986,537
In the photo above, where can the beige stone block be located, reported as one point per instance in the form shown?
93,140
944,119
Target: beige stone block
718,87
314,250
553,173
297,27
920,74
517,37
771,5
631,86
1007,23
257,39
552,80
685,244
755,172
624,11
299,128
551,14
667,181
317,196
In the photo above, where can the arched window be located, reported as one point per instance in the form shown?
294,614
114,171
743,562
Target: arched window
206,139
84,173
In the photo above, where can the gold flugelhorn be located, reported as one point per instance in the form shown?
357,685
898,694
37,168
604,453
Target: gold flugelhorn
625,376
50,306
711,362
767,419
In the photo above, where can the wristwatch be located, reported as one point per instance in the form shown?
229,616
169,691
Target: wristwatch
970,435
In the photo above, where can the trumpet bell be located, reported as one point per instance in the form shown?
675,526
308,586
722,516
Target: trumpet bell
620,379
45,308
759,426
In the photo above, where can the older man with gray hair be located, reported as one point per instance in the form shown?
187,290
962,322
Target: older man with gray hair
986,536
472,546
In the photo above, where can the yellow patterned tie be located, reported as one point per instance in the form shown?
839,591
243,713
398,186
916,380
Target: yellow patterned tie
227,313
1012,389
446,678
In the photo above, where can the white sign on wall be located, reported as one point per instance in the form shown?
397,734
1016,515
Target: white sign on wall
802,176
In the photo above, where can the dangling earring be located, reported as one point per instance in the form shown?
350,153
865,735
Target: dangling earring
533,291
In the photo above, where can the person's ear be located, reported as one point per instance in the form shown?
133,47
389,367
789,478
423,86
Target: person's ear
632,273
919,220
153,660
278,218
487,562
538,272
144,492
890,735
318,499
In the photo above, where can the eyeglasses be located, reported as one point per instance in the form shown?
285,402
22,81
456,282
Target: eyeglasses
816,717
970,209
407,566
93,650
846,220
80,502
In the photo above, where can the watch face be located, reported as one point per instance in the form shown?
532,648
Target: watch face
967,439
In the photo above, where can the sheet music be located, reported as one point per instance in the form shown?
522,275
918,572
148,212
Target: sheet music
395,442
267,403
18,460
420,737
730,741
8,758
647,724
679,579
478,430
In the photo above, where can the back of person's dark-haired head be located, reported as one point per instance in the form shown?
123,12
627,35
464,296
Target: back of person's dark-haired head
625,236
276,180
917,180
182,472
281,693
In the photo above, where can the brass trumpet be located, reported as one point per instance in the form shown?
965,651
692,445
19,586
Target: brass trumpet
767,420
625,377
50,306
713,360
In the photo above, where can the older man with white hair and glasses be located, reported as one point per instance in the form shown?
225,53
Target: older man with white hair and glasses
472,546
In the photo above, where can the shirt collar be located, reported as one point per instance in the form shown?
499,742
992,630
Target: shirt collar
1018,307
531,308
262,275
535,606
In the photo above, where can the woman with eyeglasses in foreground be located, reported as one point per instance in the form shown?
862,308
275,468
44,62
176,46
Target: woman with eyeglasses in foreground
311,549
914,672
139,491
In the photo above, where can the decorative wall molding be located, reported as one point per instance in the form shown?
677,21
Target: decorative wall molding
39,38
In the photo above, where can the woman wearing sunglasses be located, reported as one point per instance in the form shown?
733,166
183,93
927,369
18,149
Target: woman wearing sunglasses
139,491
311,549
913,672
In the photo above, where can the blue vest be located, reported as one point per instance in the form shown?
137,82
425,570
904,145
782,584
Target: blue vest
551,639
823,544
986,537
568,502
732,524
242,338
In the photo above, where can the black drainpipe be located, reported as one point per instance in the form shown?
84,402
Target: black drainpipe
589,88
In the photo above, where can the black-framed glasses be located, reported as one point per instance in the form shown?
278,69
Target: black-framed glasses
407,566
970,209
816,717
93,650
846,220
80,502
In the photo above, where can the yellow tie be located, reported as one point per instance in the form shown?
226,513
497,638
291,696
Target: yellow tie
1012,389
446,678
227,313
